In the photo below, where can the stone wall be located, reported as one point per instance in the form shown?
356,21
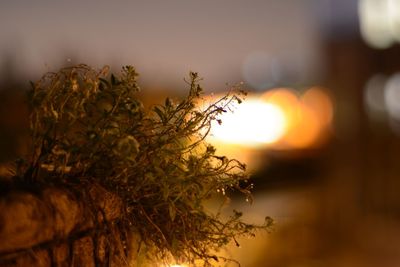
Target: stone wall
54,227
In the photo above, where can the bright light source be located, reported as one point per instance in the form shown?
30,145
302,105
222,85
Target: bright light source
380,22
305,128
307,117
394,18
280,118
253,123
377,22
286,100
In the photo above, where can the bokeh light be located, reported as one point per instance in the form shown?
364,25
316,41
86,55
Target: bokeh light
382,98
394,18
279,119
379,22
305,129
253,123
392,96
319,101
375,23
374,96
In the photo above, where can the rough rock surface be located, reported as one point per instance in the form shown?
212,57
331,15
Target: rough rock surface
55,228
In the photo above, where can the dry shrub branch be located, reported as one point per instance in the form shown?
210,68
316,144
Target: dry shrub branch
88,126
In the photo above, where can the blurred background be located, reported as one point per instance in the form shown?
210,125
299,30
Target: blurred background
320,129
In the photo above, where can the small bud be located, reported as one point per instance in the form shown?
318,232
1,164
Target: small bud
127,147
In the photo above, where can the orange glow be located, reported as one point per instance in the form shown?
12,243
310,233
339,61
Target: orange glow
286,99
253,123
304,130
320,102
279,118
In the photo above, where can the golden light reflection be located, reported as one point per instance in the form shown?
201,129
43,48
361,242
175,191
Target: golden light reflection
287,100
304,129
253,123
311,119
279,119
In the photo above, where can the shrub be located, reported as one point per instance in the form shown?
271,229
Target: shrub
89,127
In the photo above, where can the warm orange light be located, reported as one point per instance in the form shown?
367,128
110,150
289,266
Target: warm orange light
278,118
253,123
305,128
319,101
307,116
281,96
288,101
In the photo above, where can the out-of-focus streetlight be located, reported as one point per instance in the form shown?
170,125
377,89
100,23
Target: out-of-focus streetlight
253,123
379,22
279,119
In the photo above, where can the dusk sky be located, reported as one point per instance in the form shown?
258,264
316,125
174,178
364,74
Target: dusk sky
263,43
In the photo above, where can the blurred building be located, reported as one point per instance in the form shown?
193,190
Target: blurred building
343,206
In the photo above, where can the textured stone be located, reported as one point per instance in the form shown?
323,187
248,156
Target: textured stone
40,258
61,255
24,222
54,228
83,253
27,220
